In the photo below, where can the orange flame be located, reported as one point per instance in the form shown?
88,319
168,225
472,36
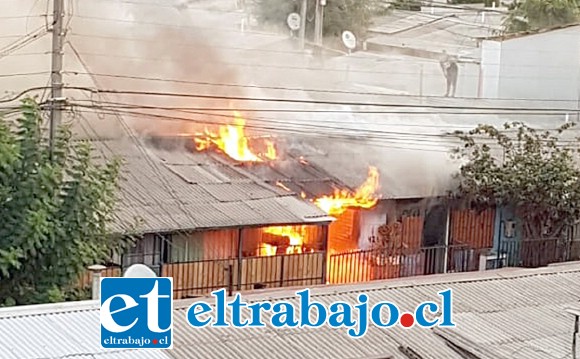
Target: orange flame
268,250
231,139
295,235
364,197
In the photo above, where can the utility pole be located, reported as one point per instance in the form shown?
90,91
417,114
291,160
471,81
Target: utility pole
319,21
302,33
56,97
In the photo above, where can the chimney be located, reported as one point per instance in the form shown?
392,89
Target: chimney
96,270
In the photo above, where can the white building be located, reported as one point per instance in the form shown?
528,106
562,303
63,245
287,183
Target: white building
533,66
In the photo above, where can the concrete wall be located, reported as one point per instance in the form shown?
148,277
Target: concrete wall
544,66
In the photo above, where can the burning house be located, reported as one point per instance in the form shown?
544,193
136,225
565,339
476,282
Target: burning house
261,254
207,221
409,226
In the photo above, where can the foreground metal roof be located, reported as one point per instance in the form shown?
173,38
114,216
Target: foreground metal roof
508,313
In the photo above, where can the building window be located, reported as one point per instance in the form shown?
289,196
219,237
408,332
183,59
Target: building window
186,247
146,250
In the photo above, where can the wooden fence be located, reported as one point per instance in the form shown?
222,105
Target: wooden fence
197,278
86,279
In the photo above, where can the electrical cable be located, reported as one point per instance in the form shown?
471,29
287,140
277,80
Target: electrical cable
311,90
326,134
315,102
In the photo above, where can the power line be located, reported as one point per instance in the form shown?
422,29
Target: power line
367,141
416,2
213,110
317,102
317,130
283,125
286,122
287,67
25,74
282,88
484,110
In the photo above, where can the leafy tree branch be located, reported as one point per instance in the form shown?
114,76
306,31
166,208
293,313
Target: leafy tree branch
529,15
533,172
54,214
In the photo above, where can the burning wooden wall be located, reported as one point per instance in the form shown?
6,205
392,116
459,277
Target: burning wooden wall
202,260
344,232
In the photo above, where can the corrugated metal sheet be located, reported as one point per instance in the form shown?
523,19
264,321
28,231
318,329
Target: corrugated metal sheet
472,228
58,335
514,313
197,191
298,176
500,312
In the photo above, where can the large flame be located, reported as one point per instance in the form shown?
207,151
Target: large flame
294,234
364,197
231,139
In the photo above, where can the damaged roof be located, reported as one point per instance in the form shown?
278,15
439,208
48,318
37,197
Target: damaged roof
501,314
168,189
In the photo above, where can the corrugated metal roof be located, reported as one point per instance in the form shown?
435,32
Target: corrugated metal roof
508,313
58,334
197,192
454,31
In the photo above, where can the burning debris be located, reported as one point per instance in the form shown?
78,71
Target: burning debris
232,140
364,197
295,236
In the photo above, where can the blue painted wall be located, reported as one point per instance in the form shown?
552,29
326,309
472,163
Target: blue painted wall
501,215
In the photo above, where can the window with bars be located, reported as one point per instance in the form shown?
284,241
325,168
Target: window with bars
147,250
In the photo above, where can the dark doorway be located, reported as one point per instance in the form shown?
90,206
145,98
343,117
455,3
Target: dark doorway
434,231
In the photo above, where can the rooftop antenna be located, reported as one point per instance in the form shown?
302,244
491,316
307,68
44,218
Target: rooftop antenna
139,271
349,40
293,21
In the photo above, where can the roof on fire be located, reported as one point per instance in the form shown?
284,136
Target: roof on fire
507,313
410,151
175,189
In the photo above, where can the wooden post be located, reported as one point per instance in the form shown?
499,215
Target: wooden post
574,338
325,255
282,270
230,270
240,258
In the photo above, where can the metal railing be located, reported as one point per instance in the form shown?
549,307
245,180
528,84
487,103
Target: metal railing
375,264
532,253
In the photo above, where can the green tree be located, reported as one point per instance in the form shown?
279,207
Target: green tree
540,14
352,15
533,172
54,212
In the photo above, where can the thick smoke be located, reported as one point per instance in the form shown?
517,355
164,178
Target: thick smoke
188,49
164,42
